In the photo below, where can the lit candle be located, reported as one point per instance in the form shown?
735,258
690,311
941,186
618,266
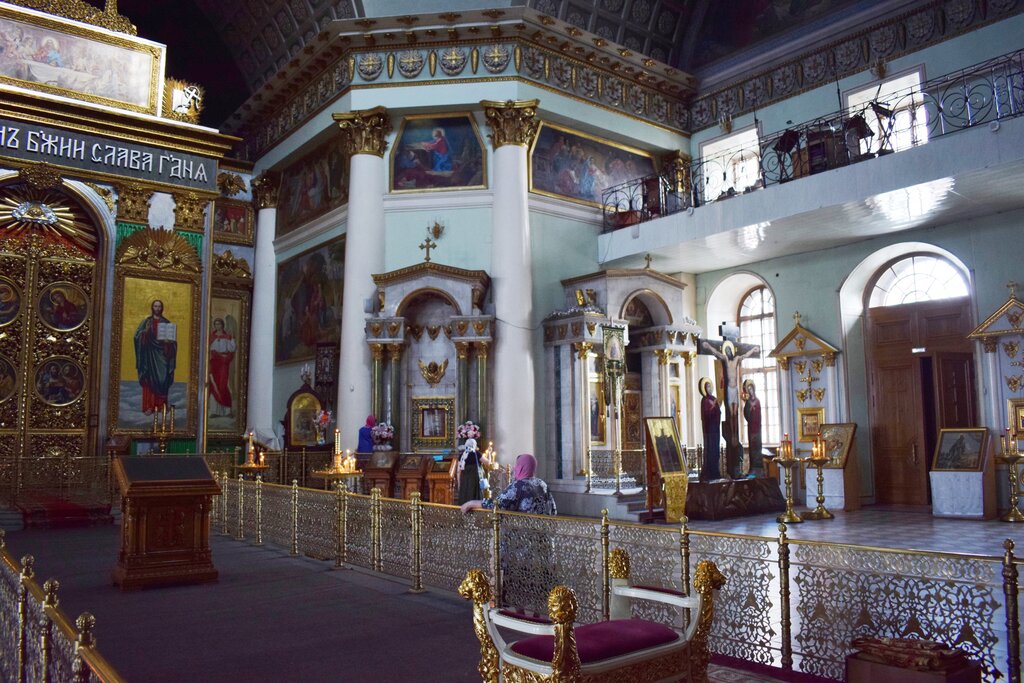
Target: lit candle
337,440
263,458
337,460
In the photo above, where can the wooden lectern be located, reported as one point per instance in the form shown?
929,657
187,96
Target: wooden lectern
379,472
412,474
165,528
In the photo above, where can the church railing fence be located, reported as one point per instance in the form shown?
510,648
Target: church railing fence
38,641
790,604
612,470
62,476
977,95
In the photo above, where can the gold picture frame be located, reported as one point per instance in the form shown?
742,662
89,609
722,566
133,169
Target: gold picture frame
808,423
960,450
433,423
234,222
227,361
663,441
467,149
66,58
838,440
1015,416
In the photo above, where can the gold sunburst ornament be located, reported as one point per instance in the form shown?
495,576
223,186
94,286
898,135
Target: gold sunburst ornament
25,210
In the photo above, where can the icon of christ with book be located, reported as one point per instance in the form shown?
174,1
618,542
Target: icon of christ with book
156,352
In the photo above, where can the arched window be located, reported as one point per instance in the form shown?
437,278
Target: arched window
912,279
757,326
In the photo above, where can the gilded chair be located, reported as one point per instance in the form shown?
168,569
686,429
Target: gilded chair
619,649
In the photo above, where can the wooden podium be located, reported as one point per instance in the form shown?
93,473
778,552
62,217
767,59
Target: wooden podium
379,472
412,474
442,482
165,530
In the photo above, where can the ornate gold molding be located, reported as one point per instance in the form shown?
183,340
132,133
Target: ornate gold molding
226,265
433,371
395,351
158,249
377,350
482,349
83,11
663,355
364,131
265,191
513,122
105,193
582,349
230,184
618,564
462,350
189,211
41,176
133,203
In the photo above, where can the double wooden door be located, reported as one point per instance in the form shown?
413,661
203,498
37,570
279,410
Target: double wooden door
47,329
921,379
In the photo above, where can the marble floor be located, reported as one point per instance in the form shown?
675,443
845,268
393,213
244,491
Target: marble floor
886,526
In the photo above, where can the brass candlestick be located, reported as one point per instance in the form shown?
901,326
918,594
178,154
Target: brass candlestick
787,462
1012,456
163,427
818,459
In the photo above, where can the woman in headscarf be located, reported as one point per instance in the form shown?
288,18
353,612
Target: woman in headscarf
366,435
470,473
527,493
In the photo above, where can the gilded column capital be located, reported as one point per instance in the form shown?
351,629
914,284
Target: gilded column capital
513,122
189,211
364,131
687,357
462,349
783,363
378,351
482,348
264,191
133,203
582,349
395,351
41,176
663,355
989,344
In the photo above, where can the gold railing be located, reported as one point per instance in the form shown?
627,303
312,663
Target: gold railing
66,477
38,642
794,605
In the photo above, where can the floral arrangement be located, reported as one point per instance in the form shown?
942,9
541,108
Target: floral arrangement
323,419
468,430
382,432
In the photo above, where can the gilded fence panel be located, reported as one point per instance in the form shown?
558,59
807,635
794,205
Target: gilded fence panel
249,510
747,614
8,622
230,493
33,640
841,592
277,515
452,544
653,561
62,658
359,532
539,553
396,537
318,524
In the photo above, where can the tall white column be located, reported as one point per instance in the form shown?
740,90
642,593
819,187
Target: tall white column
513,127
260,399
363,135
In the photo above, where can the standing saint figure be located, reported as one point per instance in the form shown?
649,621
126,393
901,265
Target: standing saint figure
752,414
731,371
156,353
222,353
711,420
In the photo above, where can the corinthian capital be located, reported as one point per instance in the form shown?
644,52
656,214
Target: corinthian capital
364,131
513,122
264,191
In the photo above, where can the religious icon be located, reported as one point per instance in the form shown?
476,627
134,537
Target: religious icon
437,153
8,379
156,354
233,221
668,454
960,449
809,422
433,423
63,306
10,301
59,381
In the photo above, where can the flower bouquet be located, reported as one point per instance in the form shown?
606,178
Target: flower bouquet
321,421
383,433
468,430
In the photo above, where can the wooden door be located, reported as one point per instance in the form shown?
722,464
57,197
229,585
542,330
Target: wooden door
898,338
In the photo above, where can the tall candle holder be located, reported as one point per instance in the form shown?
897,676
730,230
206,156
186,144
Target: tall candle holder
163,426
818,459
1011,456
787,463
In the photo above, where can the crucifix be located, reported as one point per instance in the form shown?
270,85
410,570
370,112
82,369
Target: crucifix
730,353
427,245
648,260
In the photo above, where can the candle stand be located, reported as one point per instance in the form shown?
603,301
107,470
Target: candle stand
787,462
1011,457
818,460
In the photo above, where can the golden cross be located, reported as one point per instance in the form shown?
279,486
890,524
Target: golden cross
1012,286
808,380
648,259
427,245
797,317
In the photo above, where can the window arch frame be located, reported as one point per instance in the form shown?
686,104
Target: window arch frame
881,270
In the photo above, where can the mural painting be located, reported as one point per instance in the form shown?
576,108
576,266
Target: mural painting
309,301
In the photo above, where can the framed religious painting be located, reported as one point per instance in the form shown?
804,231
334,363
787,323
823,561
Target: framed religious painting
314,184
308,307
838,440
433,152
227,361
57,56
1015,416
960,450
571,165
233,222
663,442
808,423
433,423
155,340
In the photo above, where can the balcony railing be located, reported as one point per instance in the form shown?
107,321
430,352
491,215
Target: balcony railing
978,95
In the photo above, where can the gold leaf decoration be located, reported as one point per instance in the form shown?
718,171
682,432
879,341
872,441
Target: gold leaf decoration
1011,348
189,212
1014,382
800,366
230,184
1014,316
160,249
819,394
25,210
433,371
801,395
133,203
227,266
41,176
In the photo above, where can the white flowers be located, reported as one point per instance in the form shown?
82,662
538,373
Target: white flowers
468,430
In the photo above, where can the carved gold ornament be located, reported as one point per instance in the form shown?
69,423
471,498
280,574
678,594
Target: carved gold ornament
618,564
476,589
1014,316
817,364
265,191
230,184
802,394
189,211
183,101
511,122
800,366
41,176
83,11
433,372
159,249
133,203
1014,382
364,131
819,394
1011,348
227,266
800,343
105,193
24,211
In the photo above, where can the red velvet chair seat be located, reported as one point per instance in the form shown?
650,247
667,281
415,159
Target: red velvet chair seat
659,589
603,640
523,616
